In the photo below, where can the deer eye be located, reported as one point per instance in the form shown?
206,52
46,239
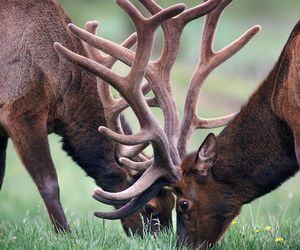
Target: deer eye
184,206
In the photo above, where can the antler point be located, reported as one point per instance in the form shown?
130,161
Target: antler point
122,159
57,46
259,28
101,129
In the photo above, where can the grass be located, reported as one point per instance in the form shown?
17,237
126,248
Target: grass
276,232
84,235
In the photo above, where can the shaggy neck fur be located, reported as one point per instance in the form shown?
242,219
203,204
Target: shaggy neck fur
257,149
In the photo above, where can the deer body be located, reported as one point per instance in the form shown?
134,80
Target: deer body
256,153
41,93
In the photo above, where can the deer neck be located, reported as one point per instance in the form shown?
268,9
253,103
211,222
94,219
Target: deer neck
80,116
256,150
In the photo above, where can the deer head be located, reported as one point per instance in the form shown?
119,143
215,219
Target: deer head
188,175
204,211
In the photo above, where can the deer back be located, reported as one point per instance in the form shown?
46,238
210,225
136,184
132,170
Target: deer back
286,99
31,70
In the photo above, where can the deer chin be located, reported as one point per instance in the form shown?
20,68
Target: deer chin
155,216
140,224
192,238
188,236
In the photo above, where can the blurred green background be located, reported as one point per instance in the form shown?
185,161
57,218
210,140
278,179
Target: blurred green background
225,91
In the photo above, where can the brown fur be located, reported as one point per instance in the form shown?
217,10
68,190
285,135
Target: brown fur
257,152
41,93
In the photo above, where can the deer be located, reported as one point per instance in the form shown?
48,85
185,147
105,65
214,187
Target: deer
254,154
42,93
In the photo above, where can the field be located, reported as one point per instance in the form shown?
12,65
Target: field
271,222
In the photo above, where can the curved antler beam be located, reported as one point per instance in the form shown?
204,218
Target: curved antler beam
135,204
151,175
110,202
214,122
137,166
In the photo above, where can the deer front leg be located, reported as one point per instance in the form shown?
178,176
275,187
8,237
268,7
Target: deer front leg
3,146
30,138
297,145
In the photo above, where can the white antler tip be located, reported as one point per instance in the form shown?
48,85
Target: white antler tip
102,129
181,6
258,27
70,25
92,23
120,1
97,191
57,46
123,160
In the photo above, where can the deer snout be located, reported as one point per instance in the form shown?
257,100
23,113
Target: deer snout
151,208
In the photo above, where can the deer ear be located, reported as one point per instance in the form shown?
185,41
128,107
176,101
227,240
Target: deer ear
207,155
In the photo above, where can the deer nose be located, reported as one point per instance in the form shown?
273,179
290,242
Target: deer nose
151,208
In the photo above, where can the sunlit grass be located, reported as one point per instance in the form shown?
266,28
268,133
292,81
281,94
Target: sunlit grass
87,233
30,234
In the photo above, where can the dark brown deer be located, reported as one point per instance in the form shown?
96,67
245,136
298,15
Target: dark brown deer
253,155
41,93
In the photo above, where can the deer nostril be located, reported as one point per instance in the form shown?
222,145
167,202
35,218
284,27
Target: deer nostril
149,209
184,206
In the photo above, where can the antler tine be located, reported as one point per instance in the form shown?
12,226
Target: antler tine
209,60
151,6
135,204
134,151
150,25
90,65
137,166
199,11
150,176
111,105
187,15
110,202
91,26
115,50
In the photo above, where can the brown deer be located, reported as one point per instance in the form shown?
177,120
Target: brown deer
42,93
253,155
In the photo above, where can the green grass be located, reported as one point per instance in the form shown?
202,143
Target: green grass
84,235
276,232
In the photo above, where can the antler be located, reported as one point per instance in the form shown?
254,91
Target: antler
130,87
169,144
159,76
209,60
